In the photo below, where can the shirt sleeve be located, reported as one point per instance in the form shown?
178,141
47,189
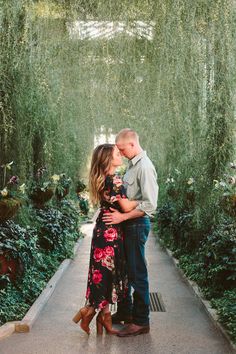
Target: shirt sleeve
149,190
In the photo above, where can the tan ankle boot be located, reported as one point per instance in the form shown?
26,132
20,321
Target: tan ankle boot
85,315
104,320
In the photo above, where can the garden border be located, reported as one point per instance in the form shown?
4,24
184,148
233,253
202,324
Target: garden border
32,314
211,312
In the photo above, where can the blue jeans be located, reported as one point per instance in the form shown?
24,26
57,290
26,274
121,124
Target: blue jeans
136,234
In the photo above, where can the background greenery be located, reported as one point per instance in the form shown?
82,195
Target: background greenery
176,89
45,238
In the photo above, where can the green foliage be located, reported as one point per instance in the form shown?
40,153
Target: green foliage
57,90
84,205
203,238
226,309
218,254
41,181
62,185
58,229
213,265
46,237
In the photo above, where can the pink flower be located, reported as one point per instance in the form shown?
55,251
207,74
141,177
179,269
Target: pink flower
14,180
97,276
110,234
109,251
108,262
103,304
87,293
98,254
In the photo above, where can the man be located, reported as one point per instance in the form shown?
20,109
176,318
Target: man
141,182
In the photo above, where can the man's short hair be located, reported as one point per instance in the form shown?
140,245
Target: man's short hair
127,134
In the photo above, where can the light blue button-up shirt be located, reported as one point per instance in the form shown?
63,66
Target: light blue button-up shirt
141,185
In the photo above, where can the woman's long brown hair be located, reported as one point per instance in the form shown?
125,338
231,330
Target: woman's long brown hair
100,165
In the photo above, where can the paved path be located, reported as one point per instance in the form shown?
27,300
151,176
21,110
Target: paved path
183,329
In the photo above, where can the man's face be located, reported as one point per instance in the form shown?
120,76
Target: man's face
126,148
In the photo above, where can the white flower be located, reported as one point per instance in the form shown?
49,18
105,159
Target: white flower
8,165
4,192
232,180
22,188
190,181
222,184
170,180
177,171
55,178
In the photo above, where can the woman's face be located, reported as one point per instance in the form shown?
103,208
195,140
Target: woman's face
116,157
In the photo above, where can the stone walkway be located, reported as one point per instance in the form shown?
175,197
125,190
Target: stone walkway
183,329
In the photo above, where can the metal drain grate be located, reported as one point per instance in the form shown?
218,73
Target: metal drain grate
156,303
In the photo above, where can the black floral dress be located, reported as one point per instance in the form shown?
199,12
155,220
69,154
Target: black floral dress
107,277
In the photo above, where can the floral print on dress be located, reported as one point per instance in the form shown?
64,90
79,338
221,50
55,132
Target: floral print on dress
110,234
107,278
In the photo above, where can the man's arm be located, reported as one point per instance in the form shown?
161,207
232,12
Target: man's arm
149,190
127,205
115,217
146,206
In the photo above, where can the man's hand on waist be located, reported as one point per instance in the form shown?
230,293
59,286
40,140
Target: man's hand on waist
115,217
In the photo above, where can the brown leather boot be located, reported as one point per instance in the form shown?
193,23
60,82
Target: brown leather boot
104,320
85,315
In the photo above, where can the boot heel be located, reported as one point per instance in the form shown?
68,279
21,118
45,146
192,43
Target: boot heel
99,328
77,317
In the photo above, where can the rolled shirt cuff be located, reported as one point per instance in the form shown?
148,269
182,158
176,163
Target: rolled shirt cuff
146,208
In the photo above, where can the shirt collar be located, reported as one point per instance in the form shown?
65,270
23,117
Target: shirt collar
136,158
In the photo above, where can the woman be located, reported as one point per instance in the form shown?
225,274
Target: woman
107,278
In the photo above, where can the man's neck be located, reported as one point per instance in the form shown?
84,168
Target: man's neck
137,152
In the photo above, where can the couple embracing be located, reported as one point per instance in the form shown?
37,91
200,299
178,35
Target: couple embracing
117,258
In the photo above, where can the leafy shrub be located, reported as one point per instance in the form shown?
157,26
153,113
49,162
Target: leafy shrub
226,309
165,216
218,254
207,255
213,266
56,229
